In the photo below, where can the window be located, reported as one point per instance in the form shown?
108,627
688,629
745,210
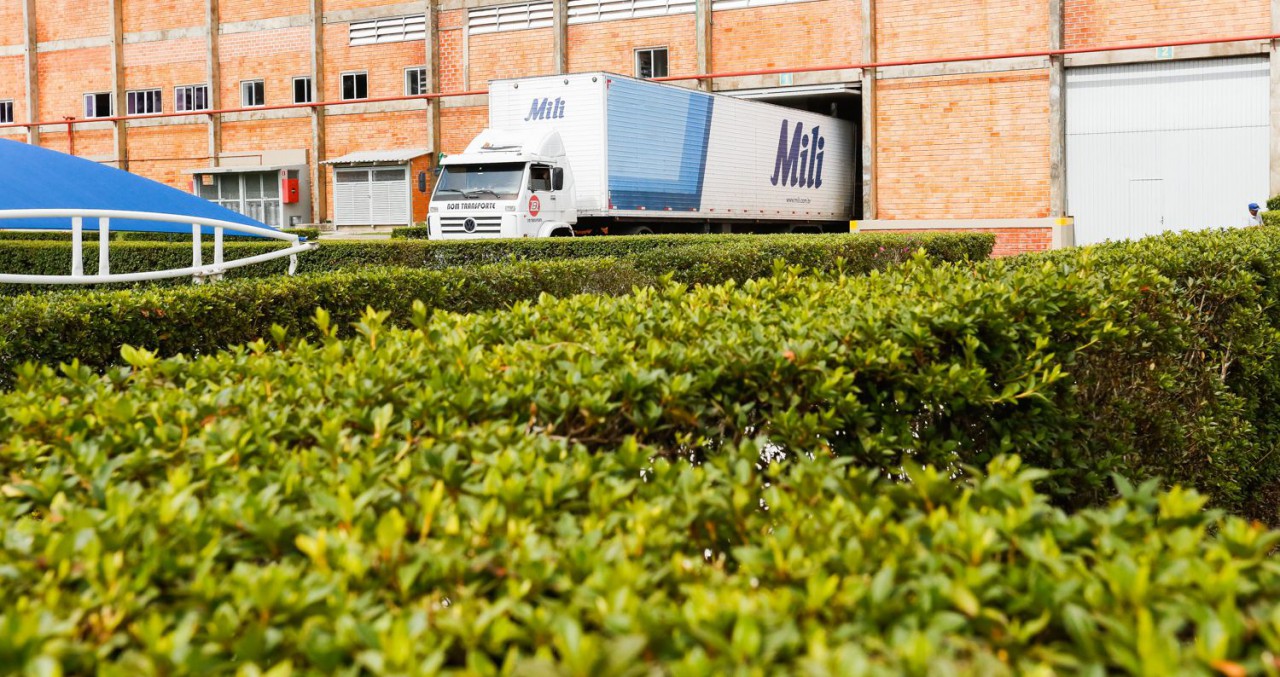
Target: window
415,81
591,11
192,97
302,89
509,18
651,63
252,93
254,194
97,105
540,178
143,102
392,29
355,86
6,112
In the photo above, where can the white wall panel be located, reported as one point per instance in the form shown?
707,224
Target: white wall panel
1166,146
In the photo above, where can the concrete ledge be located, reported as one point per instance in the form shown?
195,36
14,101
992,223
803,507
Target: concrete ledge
381,107
349,15
168,122
12,50
272,24
80,126
1177,54
171,34
722,85
282,114
471,101
76,43
963,68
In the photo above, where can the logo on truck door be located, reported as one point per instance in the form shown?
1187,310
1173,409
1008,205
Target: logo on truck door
799,160
535,205
546,109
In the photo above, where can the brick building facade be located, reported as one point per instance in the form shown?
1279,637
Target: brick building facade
973,144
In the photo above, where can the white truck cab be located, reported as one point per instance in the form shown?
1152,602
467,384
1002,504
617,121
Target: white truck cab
507,184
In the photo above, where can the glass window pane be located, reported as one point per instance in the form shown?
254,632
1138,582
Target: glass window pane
270,185
362,86
208,192
659,63
389,175
200,97
230,186
358,176
348,87
252,186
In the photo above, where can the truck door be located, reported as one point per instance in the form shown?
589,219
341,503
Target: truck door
544,201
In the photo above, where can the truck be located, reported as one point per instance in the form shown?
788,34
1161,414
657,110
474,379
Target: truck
604,154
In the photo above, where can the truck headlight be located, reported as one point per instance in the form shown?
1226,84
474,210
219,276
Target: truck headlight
432,209
511,208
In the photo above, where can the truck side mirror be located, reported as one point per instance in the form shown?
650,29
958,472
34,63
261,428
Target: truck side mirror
422,182
557,178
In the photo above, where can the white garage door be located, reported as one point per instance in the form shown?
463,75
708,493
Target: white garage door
1166,146
371,197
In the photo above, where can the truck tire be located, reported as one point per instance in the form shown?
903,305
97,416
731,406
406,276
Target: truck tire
631,230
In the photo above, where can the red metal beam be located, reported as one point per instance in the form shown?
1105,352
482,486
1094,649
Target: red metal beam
729,74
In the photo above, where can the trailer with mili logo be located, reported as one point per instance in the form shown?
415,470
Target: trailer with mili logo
597,153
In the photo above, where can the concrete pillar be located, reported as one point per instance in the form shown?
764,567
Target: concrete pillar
560,27
213,76
32,74
118,84
702,19
319,185
432,12
869,138
1275,99
1057,115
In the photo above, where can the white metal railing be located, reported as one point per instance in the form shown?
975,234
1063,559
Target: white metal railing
198,270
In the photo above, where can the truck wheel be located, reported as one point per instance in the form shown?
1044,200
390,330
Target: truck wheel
631,230
562,232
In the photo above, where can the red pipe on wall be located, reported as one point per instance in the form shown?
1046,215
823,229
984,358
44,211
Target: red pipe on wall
707,76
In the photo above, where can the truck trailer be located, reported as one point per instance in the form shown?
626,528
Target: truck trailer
603,154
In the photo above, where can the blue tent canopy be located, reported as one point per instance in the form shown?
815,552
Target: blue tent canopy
37,178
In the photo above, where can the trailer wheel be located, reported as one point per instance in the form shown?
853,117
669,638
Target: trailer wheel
562,232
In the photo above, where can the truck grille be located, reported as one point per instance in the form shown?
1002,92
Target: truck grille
471,225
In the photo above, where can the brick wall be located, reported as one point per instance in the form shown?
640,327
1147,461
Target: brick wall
11,27
907,29
159,15
231,11
1111,22
803,34
384,64
164,64
162,153
71,19
511,55
450,26
254,136
958,147
610,45
1009,241
373,131
66,76
458,126
95,143
13,79
273,56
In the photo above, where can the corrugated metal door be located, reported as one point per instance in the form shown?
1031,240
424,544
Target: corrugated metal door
352,197
1166,146
390,192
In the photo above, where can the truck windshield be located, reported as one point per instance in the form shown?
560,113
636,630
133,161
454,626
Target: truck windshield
494,182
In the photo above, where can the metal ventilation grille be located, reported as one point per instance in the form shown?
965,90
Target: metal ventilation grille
392,29
718,5
592,11
510,18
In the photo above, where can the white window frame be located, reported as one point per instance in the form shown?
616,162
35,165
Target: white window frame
354,74
518,17
144,101
418,74
245,102
635,55
311,88
593,11
94,113
6,111
183,93
389,29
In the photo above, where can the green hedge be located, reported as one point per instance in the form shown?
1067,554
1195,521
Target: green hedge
54,258
662,482
411,233
92,325
1271,218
